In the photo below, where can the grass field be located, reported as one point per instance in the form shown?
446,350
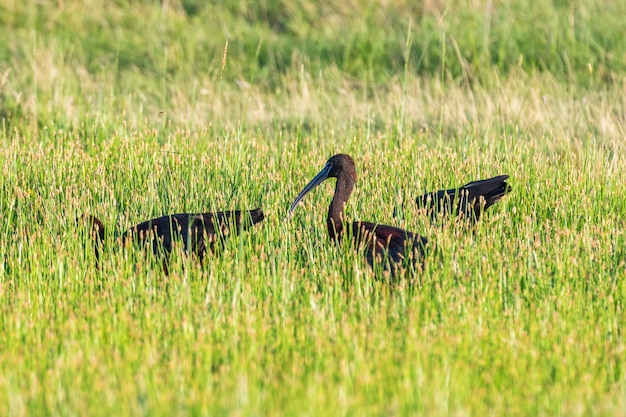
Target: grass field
133,109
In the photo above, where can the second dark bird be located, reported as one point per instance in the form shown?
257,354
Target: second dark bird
467,202
198,232
394,247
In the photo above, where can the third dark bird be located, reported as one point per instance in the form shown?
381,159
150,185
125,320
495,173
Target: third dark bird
468,201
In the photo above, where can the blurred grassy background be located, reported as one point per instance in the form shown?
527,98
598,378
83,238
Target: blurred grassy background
196,60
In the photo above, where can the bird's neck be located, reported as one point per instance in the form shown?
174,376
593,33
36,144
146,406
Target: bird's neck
335,218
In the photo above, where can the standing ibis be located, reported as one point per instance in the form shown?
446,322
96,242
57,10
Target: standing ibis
468,201
198,232
395,248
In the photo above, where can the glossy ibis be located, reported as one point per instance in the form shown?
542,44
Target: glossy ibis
395,248
198,232
468,201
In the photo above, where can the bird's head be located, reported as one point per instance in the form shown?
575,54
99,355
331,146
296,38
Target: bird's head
337,166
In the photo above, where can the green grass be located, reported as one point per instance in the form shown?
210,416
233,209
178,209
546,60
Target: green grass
131,110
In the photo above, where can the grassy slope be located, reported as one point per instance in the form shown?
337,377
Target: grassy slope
131,110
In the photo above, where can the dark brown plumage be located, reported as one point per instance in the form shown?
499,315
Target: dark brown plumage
198,232
393,247
468,201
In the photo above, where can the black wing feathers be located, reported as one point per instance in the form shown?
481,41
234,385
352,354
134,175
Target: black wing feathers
469,200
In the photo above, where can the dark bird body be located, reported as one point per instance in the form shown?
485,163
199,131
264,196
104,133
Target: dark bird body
392,246
468,201
198,232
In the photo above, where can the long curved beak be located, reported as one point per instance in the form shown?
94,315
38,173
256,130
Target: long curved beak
319,178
